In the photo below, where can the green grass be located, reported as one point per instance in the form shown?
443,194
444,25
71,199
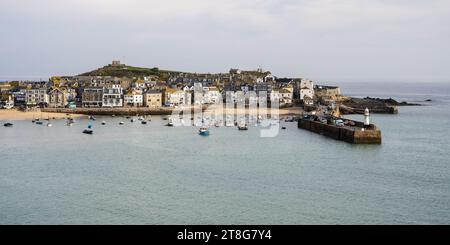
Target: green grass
128,71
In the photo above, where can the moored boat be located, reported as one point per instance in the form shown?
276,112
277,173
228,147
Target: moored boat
88,130
8,124
204,131
242,126
170,123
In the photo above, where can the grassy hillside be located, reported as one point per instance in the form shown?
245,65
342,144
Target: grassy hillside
128,71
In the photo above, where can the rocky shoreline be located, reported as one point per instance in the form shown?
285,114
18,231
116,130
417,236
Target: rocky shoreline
351,105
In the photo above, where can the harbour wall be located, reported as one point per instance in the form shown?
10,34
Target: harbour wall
353,135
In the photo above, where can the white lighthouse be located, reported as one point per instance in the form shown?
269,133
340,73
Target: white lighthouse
366,118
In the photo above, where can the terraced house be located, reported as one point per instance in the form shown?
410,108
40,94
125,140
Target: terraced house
134,98
112,96
36,97
153,99
176,97
58,98
92,97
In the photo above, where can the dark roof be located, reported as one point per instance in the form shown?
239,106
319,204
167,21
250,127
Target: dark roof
153,91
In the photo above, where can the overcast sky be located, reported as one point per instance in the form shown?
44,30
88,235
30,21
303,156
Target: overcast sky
337,40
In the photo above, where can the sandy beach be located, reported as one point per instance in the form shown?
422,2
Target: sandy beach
292,111
212,109
15,115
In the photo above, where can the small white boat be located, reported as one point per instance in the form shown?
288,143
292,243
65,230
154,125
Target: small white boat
121,123
242,126
103,123
170,123
49,125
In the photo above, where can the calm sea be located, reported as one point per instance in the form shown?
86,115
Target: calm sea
151,174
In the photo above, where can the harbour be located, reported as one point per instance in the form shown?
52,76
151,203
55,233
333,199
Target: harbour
147,174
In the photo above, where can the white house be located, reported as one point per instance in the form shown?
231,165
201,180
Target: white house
112,96
306,89
134,98
175,97
284,96
211,95
269,78
9,104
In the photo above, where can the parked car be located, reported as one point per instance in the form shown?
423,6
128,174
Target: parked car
350,123
339,123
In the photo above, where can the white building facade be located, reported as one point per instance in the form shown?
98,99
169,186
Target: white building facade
306,89
112,96
36,97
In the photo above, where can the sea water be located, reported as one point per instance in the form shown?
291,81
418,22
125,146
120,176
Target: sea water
153,174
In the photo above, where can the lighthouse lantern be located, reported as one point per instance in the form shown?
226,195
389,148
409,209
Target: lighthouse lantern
366,117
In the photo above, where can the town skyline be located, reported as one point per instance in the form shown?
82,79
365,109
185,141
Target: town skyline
322,40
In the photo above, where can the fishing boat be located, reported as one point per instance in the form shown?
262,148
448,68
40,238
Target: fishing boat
103,123
49,124
204,131
121,123
144,122
39,122
8,124
88,130
170,123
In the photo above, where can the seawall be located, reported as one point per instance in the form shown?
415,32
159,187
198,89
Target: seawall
353,135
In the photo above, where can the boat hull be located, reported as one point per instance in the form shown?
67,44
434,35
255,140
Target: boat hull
204,133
